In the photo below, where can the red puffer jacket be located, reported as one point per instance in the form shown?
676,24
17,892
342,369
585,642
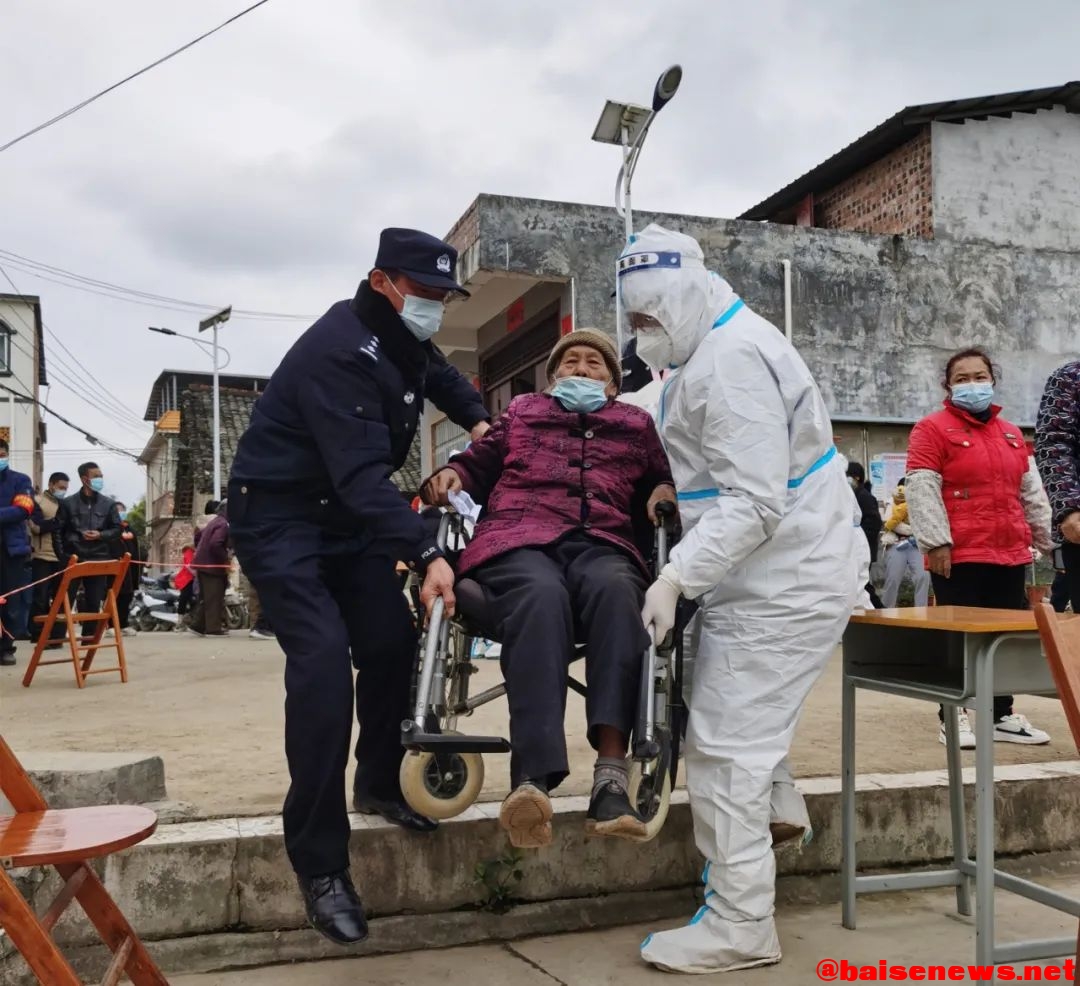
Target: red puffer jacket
981,468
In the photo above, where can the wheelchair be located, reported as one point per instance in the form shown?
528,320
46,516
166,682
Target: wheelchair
442,771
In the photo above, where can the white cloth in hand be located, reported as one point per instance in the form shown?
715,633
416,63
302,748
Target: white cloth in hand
660,603
463,504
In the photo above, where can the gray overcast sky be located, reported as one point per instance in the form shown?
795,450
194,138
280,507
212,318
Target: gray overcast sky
258,168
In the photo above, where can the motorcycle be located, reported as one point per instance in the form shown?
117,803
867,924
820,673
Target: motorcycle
236,611
154,606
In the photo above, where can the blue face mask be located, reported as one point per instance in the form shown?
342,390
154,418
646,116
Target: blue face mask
3,463
974,397
422,316
97,484
580,394
122,514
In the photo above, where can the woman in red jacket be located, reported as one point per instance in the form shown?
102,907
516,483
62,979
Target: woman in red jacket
977,506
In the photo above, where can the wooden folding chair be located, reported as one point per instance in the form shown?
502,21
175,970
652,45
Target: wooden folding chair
67,839
1061,642
61,609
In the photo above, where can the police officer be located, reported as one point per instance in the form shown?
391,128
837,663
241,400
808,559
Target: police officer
318,528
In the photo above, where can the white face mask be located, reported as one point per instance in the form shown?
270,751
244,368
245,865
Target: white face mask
422,316
655,349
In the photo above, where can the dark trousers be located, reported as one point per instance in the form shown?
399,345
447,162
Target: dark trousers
41,568
334,607
987,586
123,606
94,588
1071,555
183,604
14,574
210,615
535,594
871,590
1059,592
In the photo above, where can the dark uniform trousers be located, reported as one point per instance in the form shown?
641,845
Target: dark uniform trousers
334,606
540,599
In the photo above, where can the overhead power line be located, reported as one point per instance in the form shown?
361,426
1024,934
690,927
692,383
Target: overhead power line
84,379
134,75
118,292
90,437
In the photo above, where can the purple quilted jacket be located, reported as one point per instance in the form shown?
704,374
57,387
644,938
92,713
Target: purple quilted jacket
542,471
1057,440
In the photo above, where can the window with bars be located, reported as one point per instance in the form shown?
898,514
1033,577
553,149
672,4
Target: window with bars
6,332
446,438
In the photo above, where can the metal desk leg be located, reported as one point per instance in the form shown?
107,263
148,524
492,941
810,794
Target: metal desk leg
956,807
847,803
984,807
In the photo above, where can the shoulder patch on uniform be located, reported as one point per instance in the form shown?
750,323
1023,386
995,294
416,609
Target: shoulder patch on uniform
371,348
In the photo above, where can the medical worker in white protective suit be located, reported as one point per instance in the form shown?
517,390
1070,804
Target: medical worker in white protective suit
769,551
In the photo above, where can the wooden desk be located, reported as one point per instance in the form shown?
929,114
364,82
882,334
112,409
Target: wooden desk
957,656
966,619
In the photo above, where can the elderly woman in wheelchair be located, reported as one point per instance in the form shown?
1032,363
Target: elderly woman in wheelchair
571,481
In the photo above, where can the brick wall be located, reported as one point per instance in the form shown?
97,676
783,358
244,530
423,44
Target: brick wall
168,540
466,230
892,195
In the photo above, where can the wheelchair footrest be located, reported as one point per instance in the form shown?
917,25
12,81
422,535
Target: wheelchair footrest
439,743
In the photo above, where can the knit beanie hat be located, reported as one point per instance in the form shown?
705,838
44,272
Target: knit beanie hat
595,339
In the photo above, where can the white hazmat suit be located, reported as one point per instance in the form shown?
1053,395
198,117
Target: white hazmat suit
768,549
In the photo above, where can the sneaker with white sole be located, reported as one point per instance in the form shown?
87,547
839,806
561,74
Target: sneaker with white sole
967,735
1015,728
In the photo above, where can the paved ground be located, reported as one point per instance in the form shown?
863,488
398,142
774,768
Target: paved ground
906,929
213,709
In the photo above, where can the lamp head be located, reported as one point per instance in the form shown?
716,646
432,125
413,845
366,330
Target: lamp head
666,87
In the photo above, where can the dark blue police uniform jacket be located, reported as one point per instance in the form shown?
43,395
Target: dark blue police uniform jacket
338,418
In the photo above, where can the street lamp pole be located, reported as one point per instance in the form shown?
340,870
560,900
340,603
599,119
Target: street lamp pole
212,323
627,125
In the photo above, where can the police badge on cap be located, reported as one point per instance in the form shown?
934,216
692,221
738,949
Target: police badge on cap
421,256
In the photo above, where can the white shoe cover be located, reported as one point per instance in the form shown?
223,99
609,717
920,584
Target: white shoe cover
709,943
787,807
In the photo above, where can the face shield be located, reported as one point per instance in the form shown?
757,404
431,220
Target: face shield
661,302
664,295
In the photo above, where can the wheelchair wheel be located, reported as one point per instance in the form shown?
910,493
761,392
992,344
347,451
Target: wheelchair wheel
650,796
441,788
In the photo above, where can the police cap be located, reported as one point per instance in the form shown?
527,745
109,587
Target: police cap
421,256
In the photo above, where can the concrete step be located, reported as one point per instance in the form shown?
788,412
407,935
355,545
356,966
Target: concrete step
220,894
76,780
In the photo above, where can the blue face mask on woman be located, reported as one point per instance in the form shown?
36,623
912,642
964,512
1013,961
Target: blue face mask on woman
975,397
580,394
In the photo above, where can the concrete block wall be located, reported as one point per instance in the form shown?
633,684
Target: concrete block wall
892,195
874,317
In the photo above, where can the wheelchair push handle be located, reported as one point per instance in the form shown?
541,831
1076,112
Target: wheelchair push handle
665,509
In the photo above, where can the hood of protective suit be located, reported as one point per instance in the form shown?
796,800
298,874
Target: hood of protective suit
662,274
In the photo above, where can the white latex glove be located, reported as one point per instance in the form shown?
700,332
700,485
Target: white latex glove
658,612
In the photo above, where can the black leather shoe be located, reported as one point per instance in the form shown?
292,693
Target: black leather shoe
7,659
397,812
333,907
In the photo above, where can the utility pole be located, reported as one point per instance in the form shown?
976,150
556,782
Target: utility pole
212,323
